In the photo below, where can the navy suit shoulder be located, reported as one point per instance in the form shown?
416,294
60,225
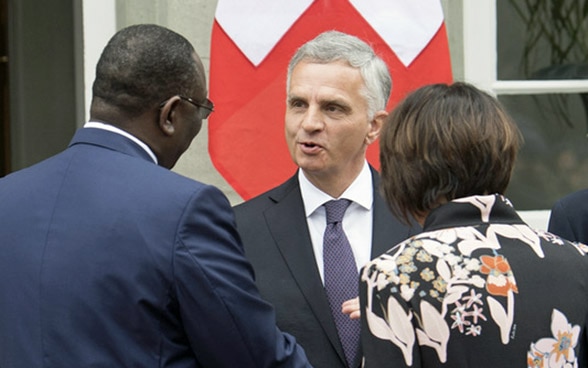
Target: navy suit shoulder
111,260
569,217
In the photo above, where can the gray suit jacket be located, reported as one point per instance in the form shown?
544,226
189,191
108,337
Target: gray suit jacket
277,242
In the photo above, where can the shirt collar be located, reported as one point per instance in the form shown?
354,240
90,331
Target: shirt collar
360,191
112,128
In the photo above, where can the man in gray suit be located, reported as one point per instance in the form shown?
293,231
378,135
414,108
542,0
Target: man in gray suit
337,91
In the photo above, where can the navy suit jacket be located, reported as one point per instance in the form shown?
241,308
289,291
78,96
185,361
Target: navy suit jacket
569,217
275,235
108,260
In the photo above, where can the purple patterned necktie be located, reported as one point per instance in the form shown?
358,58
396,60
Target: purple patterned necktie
341,277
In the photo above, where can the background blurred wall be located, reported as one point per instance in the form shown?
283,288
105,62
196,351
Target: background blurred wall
193,19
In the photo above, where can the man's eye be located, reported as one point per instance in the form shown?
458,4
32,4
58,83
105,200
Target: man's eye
334,108
297,104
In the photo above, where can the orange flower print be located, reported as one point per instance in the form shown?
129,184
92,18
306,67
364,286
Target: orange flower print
500,278
563,344
535,359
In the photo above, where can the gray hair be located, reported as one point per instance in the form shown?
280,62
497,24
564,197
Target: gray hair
334,46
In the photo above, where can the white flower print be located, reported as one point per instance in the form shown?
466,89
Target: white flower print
396,327
484,204
458,282
478,281
552,238
476,313
558,350
474,330
434,332
461,272
582,248
520,232
406,292
386,263
452,259
473,298
459,321
472,264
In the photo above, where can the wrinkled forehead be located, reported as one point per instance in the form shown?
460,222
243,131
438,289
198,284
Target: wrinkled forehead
337,75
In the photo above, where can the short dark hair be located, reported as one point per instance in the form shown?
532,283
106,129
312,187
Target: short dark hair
444,142
143,65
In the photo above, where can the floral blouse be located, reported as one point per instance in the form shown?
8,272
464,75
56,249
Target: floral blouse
478,288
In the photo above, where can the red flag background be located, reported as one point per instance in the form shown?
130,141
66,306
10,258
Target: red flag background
246,131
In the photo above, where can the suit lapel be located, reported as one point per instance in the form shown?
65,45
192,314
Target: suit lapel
287,223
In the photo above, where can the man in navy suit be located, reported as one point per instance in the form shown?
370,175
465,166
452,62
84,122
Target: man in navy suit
109,259
337,91
569,217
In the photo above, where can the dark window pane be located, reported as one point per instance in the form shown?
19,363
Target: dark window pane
554,158
4,111
542,39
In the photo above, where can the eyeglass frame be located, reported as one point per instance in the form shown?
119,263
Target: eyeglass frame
207,109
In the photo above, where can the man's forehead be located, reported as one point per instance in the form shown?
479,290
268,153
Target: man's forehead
321,96
332,73
323,92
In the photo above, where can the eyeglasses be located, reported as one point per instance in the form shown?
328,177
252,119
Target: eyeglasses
204,109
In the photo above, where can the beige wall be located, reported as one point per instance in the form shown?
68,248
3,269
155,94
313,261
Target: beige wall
193,19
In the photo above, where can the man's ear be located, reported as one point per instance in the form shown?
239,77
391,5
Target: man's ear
376,126
167,114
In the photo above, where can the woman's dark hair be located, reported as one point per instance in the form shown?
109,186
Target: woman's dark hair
143,65
444,142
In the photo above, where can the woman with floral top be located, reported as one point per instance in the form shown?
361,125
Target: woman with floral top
478,288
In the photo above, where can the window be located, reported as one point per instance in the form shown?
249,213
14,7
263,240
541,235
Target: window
534,57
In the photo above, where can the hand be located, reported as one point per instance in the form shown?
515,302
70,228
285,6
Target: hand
351,307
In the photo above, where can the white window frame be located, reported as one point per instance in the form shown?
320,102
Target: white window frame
480,69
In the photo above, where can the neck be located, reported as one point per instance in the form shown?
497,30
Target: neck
333,185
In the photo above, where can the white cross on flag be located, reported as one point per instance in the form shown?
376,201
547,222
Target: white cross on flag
252,43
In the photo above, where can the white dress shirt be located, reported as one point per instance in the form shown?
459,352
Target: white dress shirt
112,128
357,222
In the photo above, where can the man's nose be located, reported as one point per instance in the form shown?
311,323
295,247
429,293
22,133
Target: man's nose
313,119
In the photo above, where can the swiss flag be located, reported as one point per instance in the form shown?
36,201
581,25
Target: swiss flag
252,43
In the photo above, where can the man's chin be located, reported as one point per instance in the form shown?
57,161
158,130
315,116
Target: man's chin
313,170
